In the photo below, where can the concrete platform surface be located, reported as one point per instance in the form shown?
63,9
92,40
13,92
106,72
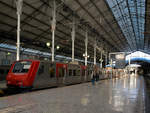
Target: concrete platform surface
110,96
3,84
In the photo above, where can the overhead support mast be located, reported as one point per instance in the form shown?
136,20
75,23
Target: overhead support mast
86,46
101,59
105,59
73,38
19,4
95,52
53,25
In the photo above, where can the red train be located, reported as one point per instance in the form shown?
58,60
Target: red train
38,74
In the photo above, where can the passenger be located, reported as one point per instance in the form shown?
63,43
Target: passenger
97,77
93,78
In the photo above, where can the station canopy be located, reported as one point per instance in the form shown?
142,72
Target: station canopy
138,56
116,25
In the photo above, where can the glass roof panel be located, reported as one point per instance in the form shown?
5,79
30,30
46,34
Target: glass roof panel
130,15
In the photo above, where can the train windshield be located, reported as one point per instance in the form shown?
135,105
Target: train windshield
22,67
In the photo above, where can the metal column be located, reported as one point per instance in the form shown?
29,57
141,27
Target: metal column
19,4
53,28
111,68
105,59
95,53
129,61
73,38
101,59
86,55
86,45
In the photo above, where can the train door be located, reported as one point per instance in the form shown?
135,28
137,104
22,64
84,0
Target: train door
52,74
82,74
89,72
69,75
46,75
78,75
61,73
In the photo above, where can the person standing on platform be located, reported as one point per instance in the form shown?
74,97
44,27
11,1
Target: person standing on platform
93,78
97,77
96,74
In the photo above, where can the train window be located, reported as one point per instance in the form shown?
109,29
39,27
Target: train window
70,72
22,67
52,72
1,71
41,69
74,72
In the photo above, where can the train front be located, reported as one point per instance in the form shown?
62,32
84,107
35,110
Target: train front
22,74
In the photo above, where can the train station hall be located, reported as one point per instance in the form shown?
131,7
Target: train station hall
74,56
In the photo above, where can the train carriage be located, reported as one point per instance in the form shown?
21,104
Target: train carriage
38,74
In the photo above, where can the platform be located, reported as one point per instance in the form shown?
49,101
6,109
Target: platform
125,95
3,85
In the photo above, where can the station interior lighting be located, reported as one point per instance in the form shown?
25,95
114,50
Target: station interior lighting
85,55
58,47
45,58
48,44
114,62
8,53
101,60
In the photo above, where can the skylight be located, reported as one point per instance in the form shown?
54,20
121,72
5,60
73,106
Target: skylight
130,15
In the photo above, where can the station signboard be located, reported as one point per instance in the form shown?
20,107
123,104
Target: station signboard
120,61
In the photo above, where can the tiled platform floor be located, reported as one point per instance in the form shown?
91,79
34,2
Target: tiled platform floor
110,96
